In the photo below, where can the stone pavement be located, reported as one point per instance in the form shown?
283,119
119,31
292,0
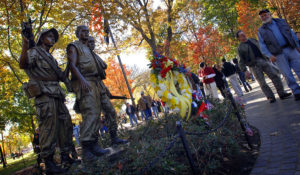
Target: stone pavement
279,126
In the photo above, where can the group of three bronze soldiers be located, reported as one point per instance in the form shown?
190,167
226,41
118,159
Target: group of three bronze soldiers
88,71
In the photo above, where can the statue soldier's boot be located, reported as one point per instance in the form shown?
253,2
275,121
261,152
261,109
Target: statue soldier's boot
115,140
97,150
51,167
87,155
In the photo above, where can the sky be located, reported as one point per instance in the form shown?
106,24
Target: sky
138,57
135,57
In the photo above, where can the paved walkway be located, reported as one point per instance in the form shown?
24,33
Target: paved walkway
279,125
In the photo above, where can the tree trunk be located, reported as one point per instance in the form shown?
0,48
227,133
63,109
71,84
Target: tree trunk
3,151
2,157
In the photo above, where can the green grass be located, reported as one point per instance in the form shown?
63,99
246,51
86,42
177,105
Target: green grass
18,164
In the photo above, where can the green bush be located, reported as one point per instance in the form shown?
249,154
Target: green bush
149,140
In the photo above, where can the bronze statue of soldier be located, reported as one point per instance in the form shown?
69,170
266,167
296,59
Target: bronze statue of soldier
86,83
54,120
107,107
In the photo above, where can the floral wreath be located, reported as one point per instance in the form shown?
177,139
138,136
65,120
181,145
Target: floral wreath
166,75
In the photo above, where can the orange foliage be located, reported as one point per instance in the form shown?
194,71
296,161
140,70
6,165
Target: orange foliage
115,80
248,18
286,9
210,46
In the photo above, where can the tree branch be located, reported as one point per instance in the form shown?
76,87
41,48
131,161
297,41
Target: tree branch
41,18
12,69
8,34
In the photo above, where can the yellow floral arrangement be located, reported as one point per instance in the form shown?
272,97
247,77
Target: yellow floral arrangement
164,82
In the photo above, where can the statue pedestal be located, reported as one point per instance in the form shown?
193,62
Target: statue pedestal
115,151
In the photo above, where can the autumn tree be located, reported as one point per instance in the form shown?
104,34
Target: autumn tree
210,46
145,22
248,17
115,81
288,10
221,13
64,16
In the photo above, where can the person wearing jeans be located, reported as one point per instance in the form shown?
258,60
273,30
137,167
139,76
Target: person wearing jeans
278,42
154,108
229,71
241,75
131,113
144,105
251,56
219,79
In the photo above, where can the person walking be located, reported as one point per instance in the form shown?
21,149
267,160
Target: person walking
278,42
130,111
241,75
229,71
219,79
144,104
103,128
207,75
154,108
158,106
251,56
76,131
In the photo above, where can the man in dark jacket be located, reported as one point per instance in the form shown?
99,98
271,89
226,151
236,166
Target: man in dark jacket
241,75
229,71
219,79
251,56
131,113
278,42
198,83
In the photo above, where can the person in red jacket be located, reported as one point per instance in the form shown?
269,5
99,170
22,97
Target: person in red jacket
207,75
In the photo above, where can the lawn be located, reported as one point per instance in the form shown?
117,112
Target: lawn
18,164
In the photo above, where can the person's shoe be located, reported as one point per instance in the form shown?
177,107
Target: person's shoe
297,97
97,150
272,100
52,168
117,141
285,96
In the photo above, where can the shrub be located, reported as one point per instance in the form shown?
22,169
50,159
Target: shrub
149,141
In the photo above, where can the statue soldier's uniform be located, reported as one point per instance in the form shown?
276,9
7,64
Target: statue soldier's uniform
88,102
55,123
106,105
85,68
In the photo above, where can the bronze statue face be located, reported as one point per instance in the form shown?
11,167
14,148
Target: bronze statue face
82,33
48,39
91,43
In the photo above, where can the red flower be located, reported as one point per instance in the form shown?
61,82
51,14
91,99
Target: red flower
164,71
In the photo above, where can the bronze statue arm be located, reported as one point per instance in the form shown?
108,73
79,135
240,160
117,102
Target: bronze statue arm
23,62
72,58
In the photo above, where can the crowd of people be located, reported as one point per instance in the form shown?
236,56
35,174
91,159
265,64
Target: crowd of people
147,108
276,52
